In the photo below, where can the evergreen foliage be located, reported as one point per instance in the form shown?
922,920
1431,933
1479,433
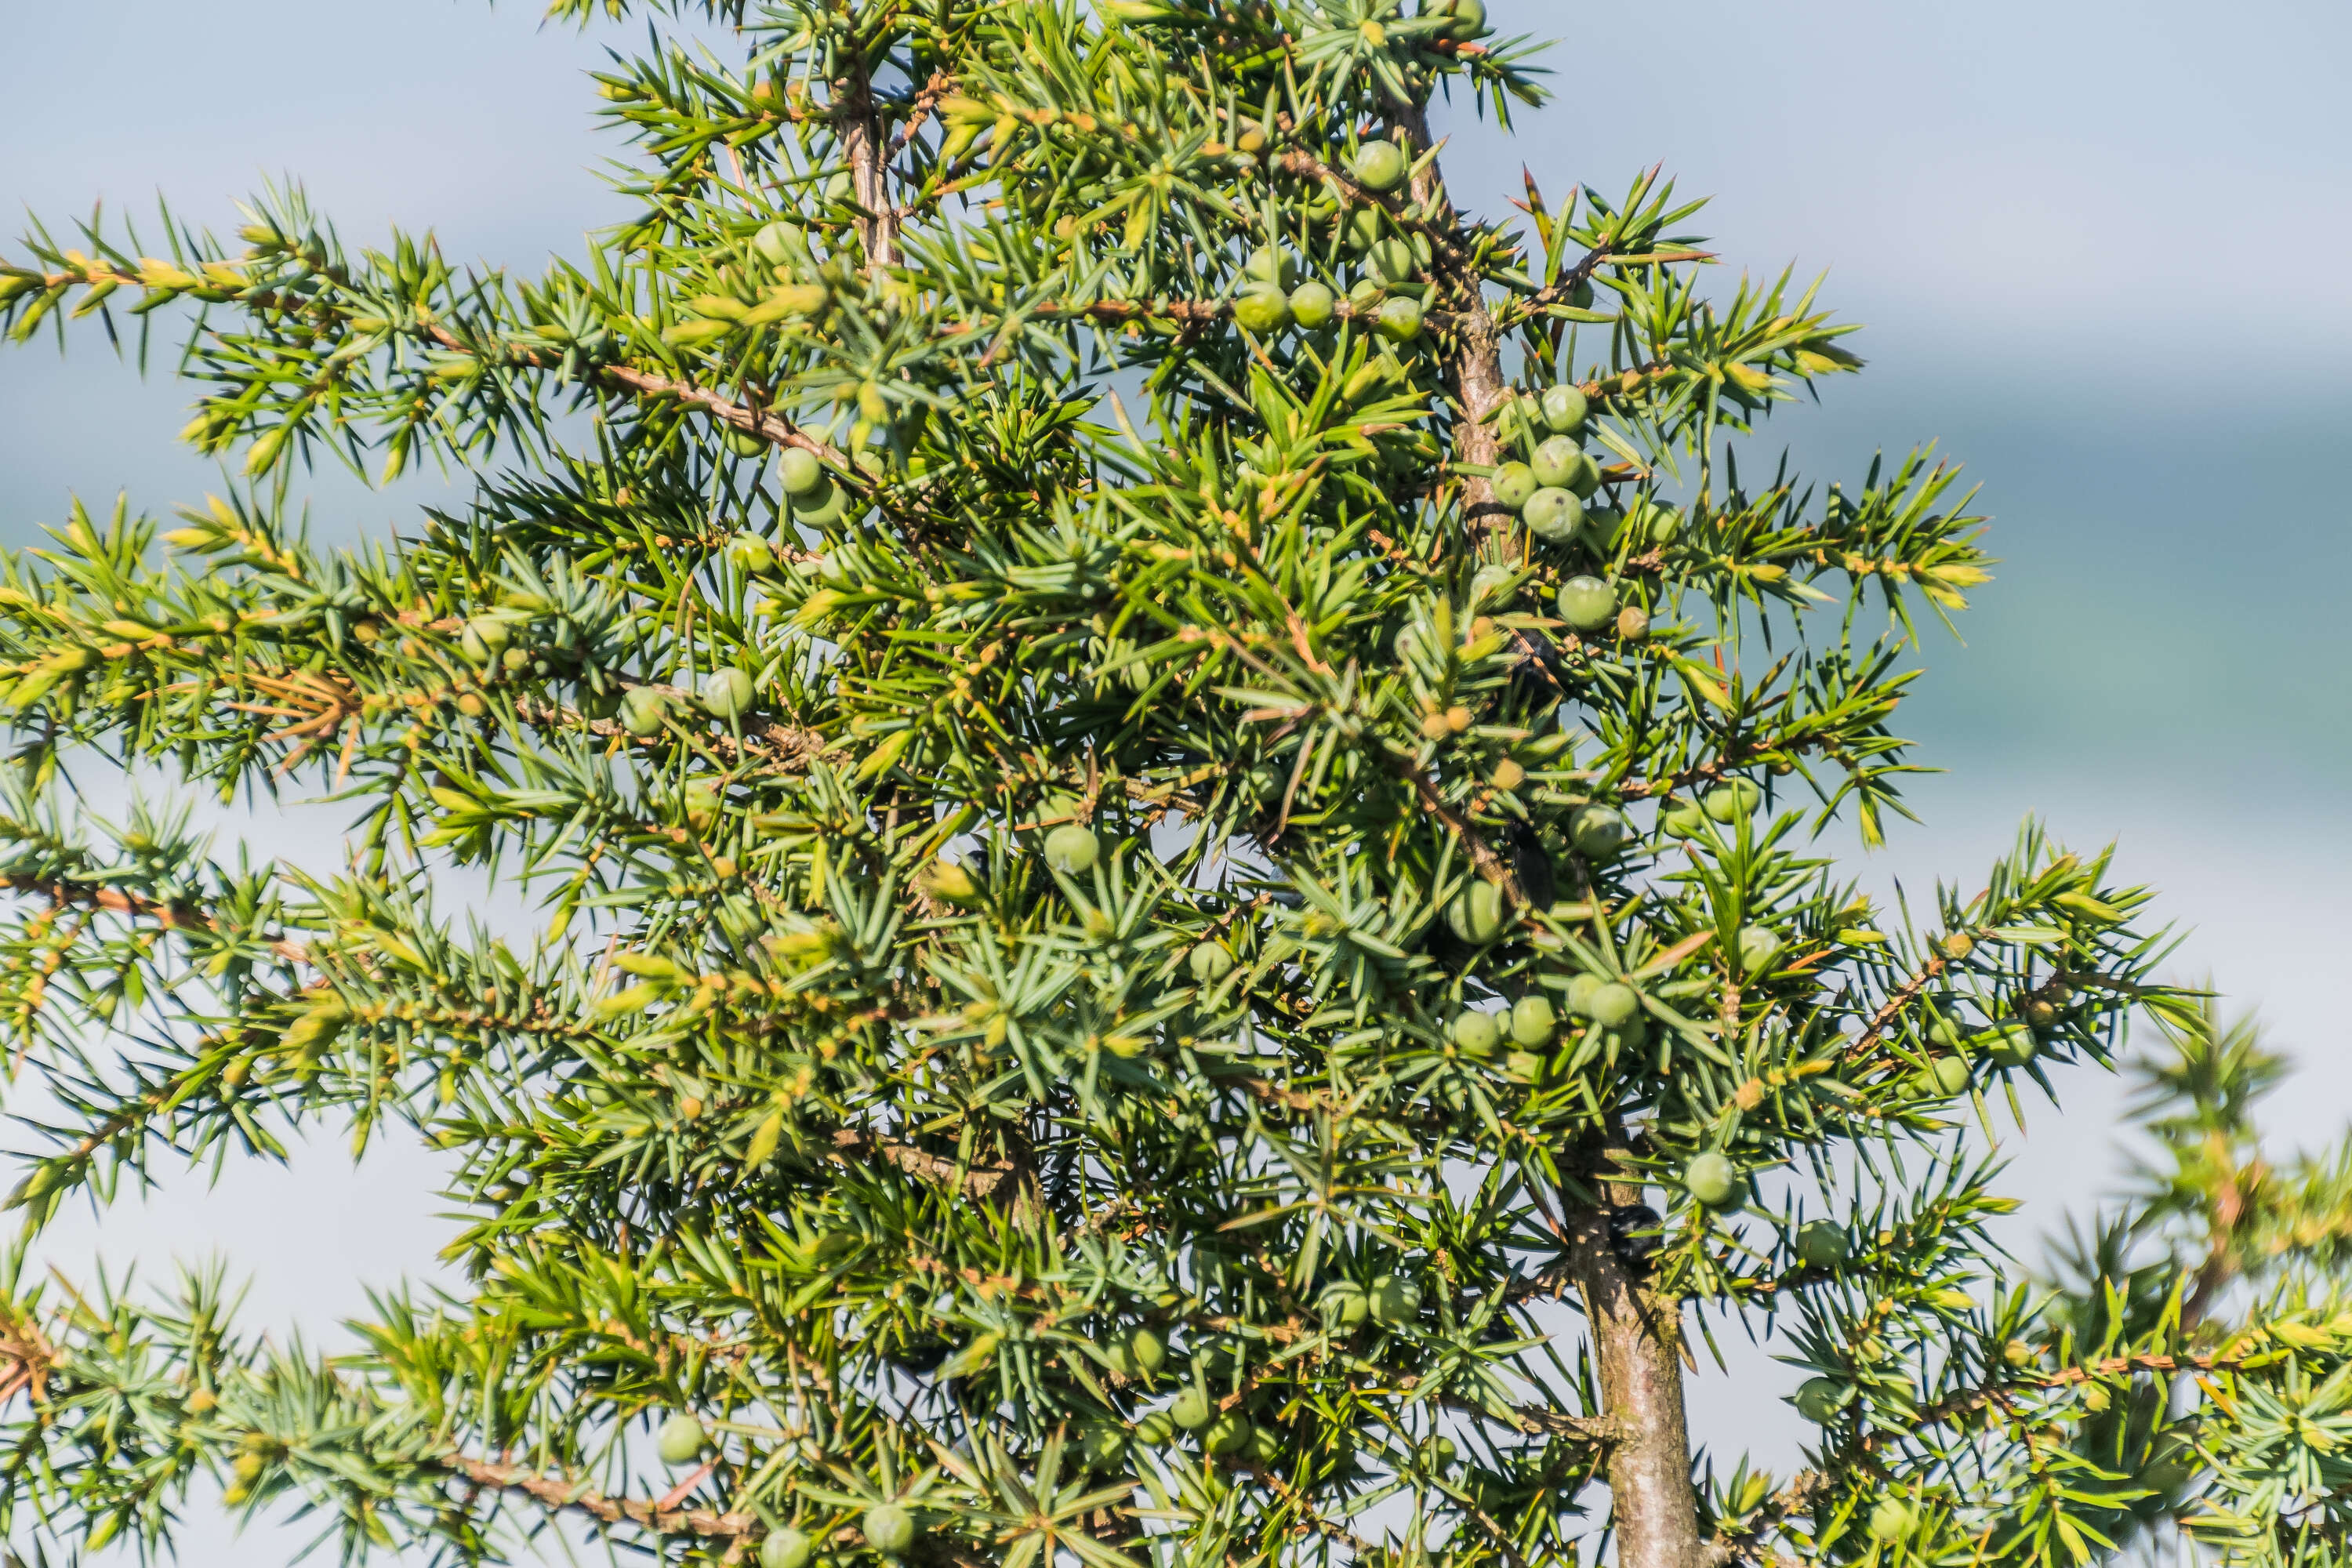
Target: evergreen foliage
1169,781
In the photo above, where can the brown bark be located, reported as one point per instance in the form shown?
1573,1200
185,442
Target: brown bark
752,421
1475,367
1637,1348
865,147
740,416
62,893
1483,857
1479,386
1636,1334
557,1494
981,1181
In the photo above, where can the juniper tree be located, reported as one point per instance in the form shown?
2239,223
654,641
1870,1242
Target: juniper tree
1168,788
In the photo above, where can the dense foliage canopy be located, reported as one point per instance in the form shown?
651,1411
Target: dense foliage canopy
1167,790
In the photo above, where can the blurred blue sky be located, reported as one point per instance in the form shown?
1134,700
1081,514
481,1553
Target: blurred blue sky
2096,246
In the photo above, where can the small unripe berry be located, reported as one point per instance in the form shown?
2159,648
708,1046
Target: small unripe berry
799,472
1557,462
1533,1021
680,1441
1581,988
1822,1245
1228,1434
1491,588
644,711
786,1547
1587,604
727,692
1613,1004
1343,1303
1101,1445
1136,1354
1733,799
1400,319
1392,260
1946,1078
1395,1300
1211,962
823,507
1597,832
778,243
1712,1180
1819,1399
1192,1409
751,554
1262,310
2014,1046
1891,1520
1379,165
1757,948
888,1529
1476,913
1474,1033
1564,408
1681,819
1072,849
485,638
1272,264
1312,305
1514,484
1469,17
1552,514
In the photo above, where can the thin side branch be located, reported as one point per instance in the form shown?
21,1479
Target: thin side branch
171,917
1493,866
557,1495
979,1181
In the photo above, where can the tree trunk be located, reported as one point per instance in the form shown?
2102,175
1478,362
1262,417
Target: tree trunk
1637,1337
865,146
1475,367
1637,1345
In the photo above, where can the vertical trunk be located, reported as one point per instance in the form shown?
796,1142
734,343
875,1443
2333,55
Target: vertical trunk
1637,1347
1476,365
867,148
1636,1335
1479,388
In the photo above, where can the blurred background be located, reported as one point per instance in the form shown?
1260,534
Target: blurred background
2094,246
